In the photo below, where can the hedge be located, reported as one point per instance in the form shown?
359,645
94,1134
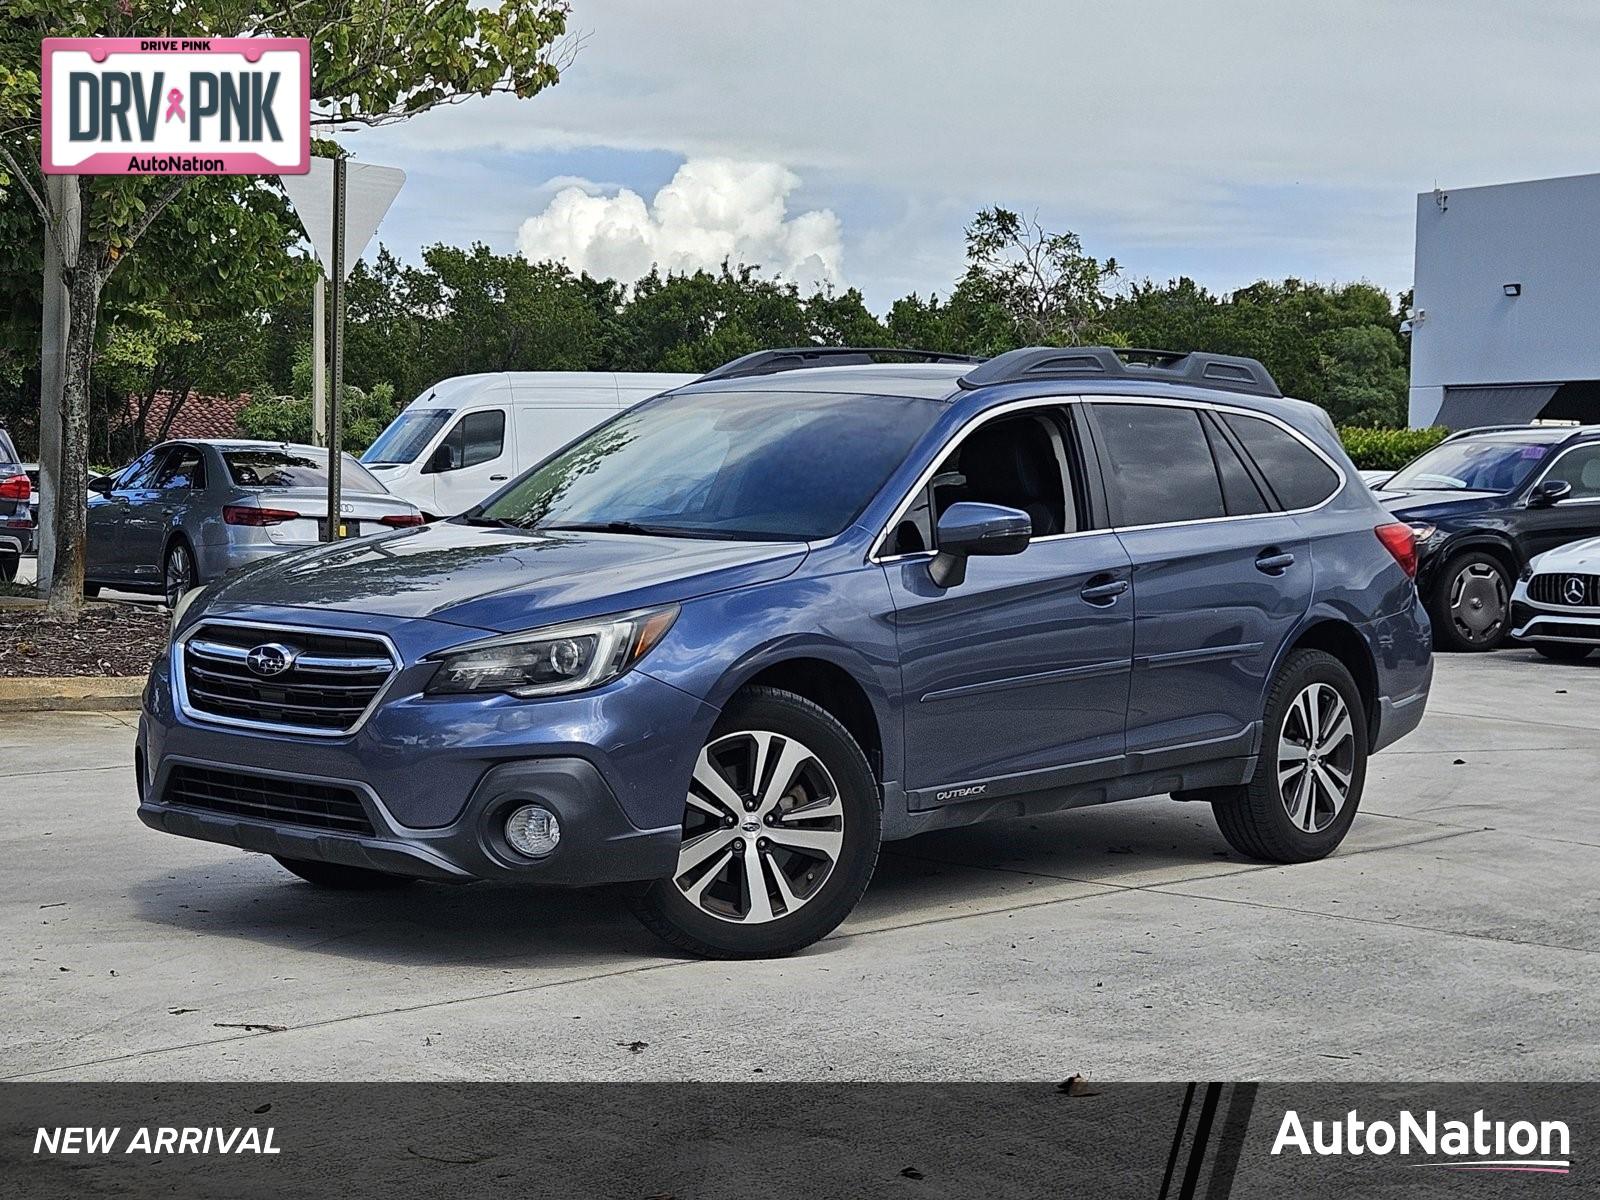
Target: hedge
1388,449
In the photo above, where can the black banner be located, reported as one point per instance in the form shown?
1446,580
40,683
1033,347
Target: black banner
1201,1141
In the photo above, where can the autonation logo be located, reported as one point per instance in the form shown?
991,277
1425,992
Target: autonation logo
1480,1144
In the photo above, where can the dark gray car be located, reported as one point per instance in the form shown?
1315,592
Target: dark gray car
185,513
16,519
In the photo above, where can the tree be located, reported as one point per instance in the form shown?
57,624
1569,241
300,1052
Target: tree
287,418
1046,289
374,62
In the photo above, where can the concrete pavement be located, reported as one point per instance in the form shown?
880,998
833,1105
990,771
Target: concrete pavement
1454,936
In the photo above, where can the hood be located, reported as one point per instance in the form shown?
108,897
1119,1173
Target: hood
505,579
1582,557
1423,503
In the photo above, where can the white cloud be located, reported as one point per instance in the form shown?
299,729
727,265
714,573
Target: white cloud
714,209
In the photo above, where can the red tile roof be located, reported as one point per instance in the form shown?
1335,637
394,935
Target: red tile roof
199,416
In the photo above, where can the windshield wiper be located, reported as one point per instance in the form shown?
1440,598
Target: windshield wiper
633,527
495,523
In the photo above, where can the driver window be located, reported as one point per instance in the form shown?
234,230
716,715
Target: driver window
1580,468
478,437
1019,462
142,471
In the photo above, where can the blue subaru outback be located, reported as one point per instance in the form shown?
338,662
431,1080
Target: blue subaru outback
723,646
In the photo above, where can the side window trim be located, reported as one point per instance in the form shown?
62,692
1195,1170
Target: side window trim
879,544
1173,402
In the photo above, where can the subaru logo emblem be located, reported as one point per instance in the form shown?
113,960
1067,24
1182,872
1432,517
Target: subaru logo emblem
1574,589
270,659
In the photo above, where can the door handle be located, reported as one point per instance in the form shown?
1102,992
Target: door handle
1273,561
497,479
1105,592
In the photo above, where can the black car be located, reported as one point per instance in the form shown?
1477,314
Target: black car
1482,503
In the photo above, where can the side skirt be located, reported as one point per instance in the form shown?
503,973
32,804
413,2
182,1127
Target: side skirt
902,816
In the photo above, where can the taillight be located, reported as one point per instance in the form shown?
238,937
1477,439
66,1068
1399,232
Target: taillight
401,520
1400,540
16,487
249,514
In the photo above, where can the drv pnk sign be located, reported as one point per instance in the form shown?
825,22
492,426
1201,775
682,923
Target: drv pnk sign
177,106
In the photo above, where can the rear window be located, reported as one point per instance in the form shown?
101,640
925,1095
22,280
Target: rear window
272,468
1298,474
1161,467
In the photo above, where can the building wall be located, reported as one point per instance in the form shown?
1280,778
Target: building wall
1543,234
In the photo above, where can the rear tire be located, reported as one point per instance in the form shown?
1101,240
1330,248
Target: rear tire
781,831
338,877
8,567
1295,808
178,572
1564,652
1469,603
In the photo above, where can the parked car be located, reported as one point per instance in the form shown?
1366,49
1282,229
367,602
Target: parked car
461,439
187,512
1376,479
1556,605
728,642
1482,504
16,518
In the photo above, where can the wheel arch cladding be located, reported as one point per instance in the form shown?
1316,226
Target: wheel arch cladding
834,689
1346,644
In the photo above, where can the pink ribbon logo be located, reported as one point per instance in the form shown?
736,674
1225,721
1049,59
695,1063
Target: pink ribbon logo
175,105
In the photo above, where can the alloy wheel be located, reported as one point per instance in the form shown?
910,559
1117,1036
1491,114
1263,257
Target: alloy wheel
1478,602
179,574
1316,757
763,828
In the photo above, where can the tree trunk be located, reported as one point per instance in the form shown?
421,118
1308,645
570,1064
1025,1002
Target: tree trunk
71,510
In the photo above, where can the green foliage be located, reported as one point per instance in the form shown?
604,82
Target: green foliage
1388,449
1339,347
287,418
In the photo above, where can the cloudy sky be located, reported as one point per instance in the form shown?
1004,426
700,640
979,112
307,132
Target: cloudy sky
850,140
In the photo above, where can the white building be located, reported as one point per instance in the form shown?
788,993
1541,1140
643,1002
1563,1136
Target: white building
1506,314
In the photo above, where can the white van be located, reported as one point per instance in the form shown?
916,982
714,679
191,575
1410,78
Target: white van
462,439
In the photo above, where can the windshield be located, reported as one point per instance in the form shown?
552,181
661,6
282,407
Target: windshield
758,465
407,436
1471,466
269,468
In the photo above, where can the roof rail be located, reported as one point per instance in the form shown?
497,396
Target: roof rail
1225,372
796,358
1476,429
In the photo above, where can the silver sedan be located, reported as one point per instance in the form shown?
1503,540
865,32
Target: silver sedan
184,513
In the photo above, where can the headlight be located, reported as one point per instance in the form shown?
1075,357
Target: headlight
548,662
1423,530
181,607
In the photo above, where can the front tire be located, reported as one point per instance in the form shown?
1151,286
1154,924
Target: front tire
338,877
1306,789
1470,603
781,830
1563,652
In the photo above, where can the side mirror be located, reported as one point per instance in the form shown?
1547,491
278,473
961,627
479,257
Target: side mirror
102,484
441,459
968,528
1549,492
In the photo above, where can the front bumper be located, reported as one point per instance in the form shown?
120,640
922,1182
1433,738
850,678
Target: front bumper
437,775
598,842
1532,621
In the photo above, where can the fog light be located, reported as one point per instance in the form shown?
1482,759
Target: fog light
533,831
